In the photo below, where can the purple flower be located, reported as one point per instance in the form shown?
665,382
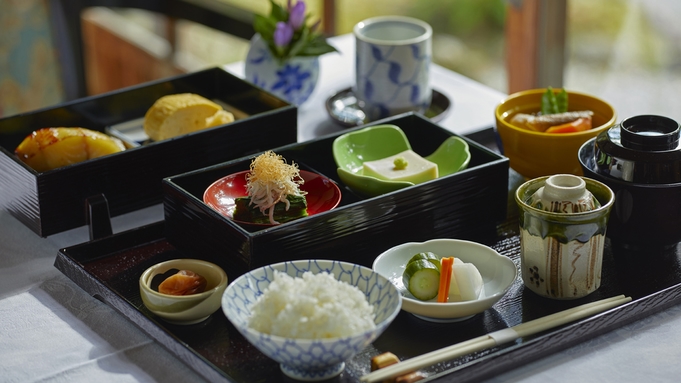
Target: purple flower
297,15
283,34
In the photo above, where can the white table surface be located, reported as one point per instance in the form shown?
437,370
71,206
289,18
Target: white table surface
52,331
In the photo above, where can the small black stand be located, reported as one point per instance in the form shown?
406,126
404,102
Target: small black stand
98,217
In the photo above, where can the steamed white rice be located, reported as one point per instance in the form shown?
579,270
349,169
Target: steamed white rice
312,307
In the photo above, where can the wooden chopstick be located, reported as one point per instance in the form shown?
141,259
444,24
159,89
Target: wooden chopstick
495,339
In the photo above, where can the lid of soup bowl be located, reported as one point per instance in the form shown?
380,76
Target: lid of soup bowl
641,149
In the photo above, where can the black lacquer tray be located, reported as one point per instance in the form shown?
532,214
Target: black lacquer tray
54,201
109,269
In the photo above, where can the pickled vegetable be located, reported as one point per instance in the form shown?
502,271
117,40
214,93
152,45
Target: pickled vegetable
445,279
185,282
432,258
468,283
422,279
52,148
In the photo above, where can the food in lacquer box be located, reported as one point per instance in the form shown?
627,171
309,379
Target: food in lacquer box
428,276
184,282
554,116
51,148
274,194
183,113
314,306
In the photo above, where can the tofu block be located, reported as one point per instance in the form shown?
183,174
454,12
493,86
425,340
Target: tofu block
417,169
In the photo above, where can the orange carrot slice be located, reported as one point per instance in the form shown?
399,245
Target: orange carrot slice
578,125
445,279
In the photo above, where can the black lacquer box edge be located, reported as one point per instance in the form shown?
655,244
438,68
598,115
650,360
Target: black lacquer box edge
54,201
450,206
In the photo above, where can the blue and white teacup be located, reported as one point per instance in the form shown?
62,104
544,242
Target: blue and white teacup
393,55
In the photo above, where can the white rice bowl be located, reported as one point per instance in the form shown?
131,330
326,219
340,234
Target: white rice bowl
312,346
312,307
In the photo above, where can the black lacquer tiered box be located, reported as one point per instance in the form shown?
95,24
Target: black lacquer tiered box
359,228
57,200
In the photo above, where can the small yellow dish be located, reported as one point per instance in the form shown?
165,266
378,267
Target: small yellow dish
184,309
535,154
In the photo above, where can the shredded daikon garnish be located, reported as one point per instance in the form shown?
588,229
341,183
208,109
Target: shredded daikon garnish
270,180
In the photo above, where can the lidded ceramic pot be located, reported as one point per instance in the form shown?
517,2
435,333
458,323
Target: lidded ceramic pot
564,193
640,160
563,220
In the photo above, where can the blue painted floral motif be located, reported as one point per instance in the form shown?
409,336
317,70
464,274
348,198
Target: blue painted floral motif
293,81
394,72
399,76
311,359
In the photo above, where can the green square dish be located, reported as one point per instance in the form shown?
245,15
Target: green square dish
352,149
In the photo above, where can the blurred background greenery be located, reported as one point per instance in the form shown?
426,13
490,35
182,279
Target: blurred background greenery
624,51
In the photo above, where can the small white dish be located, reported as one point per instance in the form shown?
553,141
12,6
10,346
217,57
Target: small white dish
498,274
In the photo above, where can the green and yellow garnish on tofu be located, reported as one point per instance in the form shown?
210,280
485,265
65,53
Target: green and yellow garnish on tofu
400,163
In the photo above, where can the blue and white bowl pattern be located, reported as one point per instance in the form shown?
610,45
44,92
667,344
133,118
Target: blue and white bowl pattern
293,81
311,359
403,88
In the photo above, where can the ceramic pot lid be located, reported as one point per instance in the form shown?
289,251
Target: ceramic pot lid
641,149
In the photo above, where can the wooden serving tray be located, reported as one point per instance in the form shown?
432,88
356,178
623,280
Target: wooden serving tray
109,269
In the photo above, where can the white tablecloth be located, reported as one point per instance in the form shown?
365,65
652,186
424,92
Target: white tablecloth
52,331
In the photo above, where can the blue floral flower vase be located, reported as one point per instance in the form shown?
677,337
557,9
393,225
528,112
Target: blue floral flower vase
293,80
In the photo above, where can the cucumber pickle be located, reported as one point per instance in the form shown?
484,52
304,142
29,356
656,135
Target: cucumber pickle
422,278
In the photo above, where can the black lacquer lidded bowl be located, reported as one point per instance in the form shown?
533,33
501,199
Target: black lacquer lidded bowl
641,149
640,160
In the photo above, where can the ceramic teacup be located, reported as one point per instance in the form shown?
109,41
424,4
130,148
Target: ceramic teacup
393,55
561,249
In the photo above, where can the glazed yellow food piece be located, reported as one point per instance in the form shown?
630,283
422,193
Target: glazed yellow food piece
179,114
404,166
51,148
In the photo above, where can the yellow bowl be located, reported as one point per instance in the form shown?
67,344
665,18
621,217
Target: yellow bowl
535,154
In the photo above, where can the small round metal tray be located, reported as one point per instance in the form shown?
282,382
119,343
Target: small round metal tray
344,109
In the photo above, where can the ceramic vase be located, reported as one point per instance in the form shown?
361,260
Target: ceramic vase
561,252
293,80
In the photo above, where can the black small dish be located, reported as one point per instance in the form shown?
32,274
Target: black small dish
344,108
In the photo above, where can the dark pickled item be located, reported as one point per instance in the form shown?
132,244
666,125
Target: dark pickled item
184,282
245,211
